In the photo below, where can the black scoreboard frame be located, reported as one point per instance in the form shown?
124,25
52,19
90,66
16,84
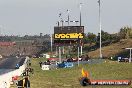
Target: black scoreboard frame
68,35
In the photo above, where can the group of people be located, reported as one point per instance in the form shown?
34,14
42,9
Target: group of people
81,58
45,63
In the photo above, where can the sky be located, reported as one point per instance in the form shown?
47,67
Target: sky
32,17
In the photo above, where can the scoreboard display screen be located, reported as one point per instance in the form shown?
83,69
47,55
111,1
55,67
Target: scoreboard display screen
69,29
68,35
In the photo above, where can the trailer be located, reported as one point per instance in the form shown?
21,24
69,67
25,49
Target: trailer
65,65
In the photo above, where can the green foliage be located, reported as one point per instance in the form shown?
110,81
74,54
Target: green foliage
107,38
125,33
89,38
105,35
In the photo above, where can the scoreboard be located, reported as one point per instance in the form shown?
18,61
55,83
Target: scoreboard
69,29
68,35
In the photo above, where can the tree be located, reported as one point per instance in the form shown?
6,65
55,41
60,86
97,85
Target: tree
106,38
125,32
89,38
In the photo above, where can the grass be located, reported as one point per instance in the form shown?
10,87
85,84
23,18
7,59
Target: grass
68,78
112,49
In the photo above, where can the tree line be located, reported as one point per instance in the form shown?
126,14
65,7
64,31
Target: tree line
93,40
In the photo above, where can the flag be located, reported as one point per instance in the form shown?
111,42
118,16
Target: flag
99,2
60,15
68,11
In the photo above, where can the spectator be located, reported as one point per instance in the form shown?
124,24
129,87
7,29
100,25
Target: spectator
80,58
70,60
40,63
30,64
87,58
48,62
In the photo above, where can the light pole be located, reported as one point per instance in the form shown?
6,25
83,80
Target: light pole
100,27
80,6
80,21
59,46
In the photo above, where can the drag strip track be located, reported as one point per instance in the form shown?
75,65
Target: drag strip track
3,71
21,61
10,62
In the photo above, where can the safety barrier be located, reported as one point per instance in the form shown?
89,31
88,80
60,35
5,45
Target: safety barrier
6,78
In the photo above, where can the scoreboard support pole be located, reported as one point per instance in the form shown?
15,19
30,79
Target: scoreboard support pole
69,48
51,45
81,50
63,50
56,51
59,54
78,56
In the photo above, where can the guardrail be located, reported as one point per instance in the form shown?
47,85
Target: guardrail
6,78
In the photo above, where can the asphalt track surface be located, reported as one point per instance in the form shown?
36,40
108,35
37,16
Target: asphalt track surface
8,64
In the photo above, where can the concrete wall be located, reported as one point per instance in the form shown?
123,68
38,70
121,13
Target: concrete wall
6,78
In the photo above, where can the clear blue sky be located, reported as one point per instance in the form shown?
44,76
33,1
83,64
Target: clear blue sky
21,17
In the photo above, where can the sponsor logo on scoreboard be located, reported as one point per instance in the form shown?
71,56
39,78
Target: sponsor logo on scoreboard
69,36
